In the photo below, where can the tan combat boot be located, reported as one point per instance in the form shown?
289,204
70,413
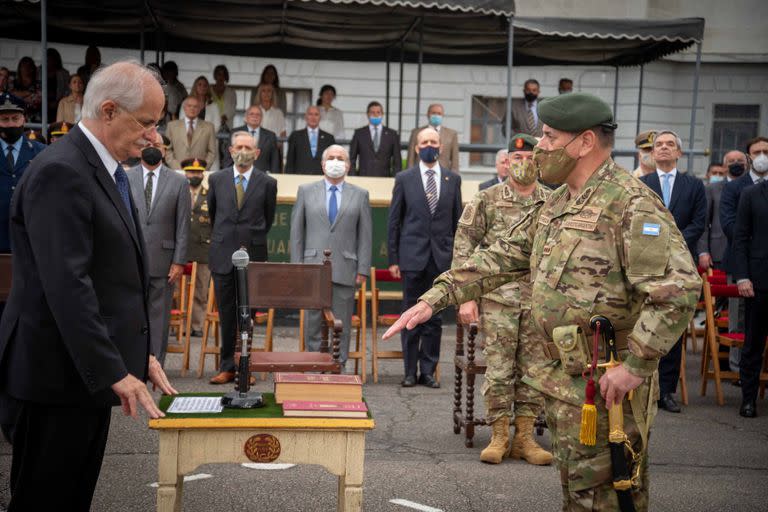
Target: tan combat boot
499,445
524,446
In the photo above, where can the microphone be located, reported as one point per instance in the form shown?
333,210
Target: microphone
242,397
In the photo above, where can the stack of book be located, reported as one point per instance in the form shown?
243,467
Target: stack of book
320,395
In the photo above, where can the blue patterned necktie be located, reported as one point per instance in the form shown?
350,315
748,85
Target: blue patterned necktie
121,180
666,191
333,206
313,142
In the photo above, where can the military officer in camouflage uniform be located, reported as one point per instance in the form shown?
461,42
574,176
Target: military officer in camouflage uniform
199,238
511,346
602,245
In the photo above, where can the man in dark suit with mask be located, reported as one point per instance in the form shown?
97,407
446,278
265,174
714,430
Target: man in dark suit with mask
423,215
266,141
375,149
241,203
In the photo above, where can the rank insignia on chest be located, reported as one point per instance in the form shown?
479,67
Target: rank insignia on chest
651,229
203,219
204,207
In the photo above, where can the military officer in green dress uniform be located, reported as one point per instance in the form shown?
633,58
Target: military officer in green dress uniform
602,245
199,238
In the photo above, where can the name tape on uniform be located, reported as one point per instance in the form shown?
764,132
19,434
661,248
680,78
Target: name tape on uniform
651,229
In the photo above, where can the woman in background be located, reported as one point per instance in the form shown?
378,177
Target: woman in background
331,118
71,106
224,95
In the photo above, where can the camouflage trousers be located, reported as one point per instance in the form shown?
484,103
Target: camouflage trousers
585,471
511,347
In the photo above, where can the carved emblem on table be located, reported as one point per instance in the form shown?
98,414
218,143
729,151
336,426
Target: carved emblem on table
262,448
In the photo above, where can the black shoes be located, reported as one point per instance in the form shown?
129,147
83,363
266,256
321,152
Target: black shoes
668,403
748,409
409,381
429,381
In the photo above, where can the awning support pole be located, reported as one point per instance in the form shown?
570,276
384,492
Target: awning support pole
508,117
44,65
386,105
693,107
639,104
418,74
400,106
616,94
142,45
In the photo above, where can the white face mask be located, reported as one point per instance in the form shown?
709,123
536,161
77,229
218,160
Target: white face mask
760,164
335,169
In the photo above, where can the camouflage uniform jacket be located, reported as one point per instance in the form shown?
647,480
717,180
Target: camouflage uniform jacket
489,216
199,228
613,250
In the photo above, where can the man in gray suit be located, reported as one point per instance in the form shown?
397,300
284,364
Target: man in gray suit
712,244
332,214
525,111
162,199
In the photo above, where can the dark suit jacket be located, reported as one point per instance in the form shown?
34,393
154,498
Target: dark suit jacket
299,159
729,202
9,179
414,234
233,228
269,154
383,163
688,205
713,240
750,240
76,320
488,184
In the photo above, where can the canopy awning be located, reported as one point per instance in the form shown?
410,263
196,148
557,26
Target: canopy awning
453,31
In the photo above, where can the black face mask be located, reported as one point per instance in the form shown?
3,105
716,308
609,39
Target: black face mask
151,156
195,181
529,97
10,134
736,169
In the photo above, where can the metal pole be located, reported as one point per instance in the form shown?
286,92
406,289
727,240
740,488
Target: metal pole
142,43
616,94
693,106
508,117
386,110
639,104
418,74
400,107
44,64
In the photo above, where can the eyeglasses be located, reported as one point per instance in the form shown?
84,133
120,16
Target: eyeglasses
146,125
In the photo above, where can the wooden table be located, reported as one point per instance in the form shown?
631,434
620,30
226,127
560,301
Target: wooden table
188,441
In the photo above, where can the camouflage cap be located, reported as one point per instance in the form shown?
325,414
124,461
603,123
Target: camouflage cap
644,140
575,112
193,164
522,142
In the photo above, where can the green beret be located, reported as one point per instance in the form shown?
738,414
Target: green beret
575,112
522,142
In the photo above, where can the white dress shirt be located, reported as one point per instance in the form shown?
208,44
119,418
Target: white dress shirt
423,168
156,173
193,122
755,177
673,174
338,192
110,164
246,175
332,121
273,120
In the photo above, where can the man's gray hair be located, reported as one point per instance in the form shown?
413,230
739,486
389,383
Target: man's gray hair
123,82
241,133
678,140
335,146
501,153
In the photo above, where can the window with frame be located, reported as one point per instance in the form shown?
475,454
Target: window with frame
487,118
732,127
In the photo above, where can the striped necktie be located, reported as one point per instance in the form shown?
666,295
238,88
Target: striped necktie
431,191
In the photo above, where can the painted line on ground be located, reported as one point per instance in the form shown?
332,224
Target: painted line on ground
268,467
189,478
414,505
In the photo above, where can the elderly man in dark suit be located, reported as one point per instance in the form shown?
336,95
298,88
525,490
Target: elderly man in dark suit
74,338
423,215
306,146
266,141
241,203
162,200
375,149
684,196
502,170
750,264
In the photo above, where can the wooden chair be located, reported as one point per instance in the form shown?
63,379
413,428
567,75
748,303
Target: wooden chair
296,286
466,367
6,276
382,275
181,314
360,324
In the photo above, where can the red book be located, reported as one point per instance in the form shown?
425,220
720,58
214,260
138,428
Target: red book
303,408
315,387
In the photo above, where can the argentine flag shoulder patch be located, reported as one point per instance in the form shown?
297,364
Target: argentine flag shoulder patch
651,229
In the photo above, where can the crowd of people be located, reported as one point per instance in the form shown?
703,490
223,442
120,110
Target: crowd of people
561,233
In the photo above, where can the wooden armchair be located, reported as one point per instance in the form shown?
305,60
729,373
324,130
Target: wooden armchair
6,273
296,286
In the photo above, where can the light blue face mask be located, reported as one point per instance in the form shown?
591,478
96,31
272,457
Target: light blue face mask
435,120
375,121
716,179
